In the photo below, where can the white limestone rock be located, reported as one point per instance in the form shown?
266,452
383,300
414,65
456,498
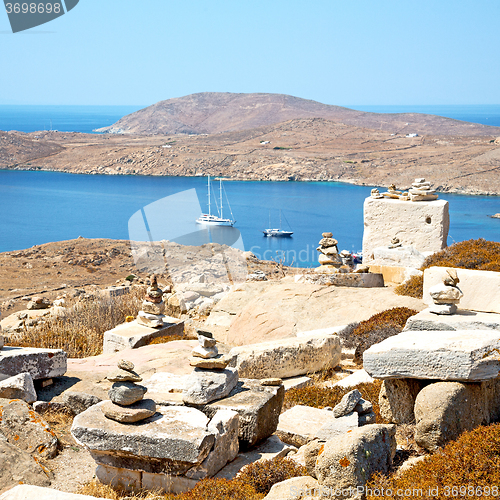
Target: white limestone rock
288,357
18,387
224,425
347,403
404,256
445,294
301,424
39,363
205,352
28,492
481,289
423,225
465,355
204,386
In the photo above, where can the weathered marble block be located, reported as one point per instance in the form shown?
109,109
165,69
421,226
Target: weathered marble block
463,355
39,363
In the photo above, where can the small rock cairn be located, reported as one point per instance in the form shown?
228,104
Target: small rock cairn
153,306
127,404
329,258
395,243
446,295
421,191
206,355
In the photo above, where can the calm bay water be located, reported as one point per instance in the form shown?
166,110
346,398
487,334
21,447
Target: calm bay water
39,207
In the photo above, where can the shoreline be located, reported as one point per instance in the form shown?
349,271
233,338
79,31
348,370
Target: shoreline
454,191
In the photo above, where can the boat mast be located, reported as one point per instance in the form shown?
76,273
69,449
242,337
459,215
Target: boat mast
280,219
220,190
209,212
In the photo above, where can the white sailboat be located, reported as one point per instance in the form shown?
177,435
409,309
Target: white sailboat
279,233
216,220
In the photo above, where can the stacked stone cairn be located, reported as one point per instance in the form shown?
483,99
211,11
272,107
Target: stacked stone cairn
446,295
347,260
206,355
375,193
127,404
421,191
395,243
329,258
153,306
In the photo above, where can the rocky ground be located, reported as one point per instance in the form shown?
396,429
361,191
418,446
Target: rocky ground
301,149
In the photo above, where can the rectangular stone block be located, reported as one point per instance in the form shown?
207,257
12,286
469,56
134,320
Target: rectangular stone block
421,224
167,483
464,355
481,289
39,363
287,357
132,335
301,424
461,320
129,480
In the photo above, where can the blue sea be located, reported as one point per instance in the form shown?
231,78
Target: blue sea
39,207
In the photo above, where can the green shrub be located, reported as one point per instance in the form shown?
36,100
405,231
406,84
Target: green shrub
471,254
262,475
470,464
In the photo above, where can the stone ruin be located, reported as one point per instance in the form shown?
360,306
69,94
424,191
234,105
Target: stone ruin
402,228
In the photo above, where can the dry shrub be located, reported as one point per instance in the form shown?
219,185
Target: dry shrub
219,489
79,332
471,254
263,474
470,465
321,397
97,489
372,331
164,340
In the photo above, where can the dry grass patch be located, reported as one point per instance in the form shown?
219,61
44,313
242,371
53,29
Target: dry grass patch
466,468
79,331
321,397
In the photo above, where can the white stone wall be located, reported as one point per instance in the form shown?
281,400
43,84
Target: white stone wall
421,224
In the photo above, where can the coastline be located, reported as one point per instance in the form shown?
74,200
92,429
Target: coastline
355,182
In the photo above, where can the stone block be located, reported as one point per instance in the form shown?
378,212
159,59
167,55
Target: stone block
204,386
224,425
297,382
423,225
397,399
28,492
132,335
259,409
18,387
288,357
167,483
39,363
119,477
467,355
301,424
176,437
461,320
399,257
354,280
350,460
358,377
481,289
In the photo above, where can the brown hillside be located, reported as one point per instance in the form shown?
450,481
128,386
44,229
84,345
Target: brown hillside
214,112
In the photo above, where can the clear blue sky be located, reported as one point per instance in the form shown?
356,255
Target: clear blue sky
349,52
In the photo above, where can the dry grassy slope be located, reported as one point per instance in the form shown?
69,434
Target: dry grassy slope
315,149
215,112
21,148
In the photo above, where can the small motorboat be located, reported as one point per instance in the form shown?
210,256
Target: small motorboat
277,233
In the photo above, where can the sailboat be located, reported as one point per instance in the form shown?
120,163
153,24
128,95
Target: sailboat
279,233
216,220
